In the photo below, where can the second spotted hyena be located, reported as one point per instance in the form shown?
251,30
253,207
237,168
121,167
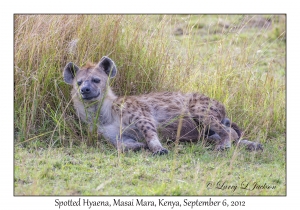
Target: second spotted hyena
127,120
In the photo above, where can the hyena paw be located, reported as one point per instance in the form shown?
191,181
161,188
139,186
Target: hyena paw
254,146
220,147
223,146
215,138
162,151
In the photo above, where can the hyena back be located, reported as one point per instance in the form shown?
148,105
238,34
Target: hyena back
126,120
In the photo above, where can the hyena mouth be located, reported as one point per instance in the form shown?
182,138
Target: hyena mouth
87,98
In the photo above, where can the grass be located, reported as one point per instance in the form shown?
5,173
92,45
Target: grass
237,59
87,171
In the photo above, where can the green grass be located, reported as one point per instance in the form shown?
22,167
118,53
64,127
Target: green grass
89,171
236,59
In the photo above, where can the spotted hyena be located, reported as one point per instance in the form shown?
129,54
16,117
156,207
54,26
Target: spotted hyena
126,121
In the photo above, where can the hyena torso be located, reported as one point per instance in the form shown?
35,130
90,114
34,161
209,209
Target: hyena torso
126,120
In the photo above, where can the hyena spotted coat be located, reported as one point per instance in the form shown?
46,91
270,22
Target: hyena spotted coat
126,121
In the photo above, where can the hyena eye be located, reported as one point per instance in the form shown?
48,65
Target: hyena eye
96,80
79,83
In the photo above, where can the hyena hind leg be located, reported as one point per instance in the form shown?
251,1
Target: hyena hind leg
220,131
232,125
215,138
250,145
236,133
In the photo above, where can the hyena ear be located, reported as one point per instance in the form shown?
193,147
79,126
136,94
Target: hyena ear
108,66
70,72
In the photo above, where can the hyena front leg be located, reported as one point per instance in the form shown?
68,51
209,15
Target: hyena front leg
146,126
121,142
126,143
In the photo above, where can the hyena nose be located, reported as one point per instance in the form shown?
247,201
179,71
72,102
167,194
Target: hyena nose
85,90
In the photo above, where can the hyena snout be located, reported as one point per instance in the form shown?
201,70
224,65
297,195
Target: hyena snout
88,92
85,90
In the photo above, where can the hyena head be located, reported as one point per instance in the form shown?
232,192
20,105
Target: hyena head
90,82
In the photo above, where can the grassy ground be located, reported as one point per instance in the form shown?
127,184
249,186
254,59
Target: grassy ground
194,170
237,59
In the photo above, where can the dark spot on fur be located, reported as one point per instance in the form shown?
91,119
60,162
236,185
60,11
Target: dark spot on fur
147,109
151,124
130,118
173,107
168,110
204,98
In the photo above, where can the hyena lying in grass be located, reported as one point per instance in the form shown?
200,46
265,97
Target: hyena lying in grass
124,121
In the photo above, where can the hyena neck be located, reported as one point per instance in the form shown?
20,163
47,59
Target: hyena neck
106,107
99,111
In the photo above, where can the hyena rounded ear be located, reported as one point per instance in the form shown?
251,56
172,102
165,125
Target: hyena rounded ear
70,72
108,66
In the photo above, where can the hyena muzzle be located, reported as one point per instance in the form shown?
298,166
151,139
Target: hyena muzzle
126,121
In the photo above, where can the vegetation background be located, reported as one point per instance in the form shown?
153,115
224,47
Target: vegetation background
239,60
